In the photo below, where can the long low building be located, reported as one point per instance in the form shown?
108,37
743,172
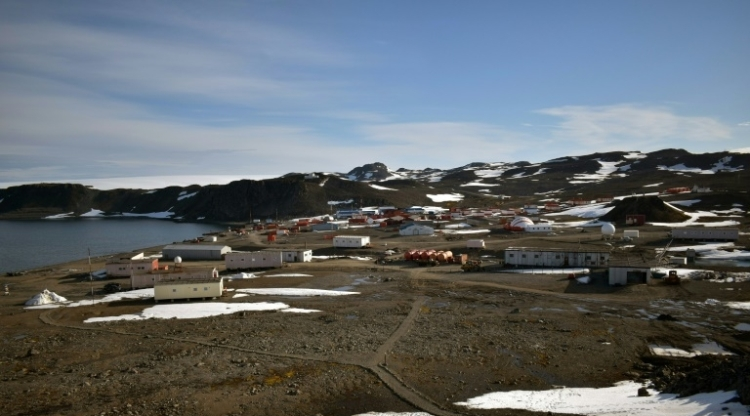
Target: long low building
240,260
293,255
195,251
351,241
146,280
188,289
551,257
706,233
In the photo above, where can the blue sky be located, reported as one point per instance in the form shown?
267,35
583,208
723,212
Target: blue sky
98,89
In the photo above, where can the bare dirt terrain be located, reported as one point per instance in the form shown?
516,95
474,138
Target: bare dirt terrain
413,339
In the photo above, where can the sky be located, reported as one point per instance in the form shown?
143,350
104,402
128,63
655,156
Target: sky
96,90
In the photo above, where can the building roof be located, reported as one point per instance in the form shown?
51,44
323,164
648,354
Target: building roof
195,247
559,250
125,260
165,282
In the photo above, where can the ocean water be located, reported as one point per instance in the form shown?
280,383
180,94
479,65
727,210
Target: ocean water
27,245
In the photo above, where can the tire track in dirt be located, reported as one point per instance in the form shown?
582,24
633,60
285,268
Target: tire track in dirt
372,364
395,383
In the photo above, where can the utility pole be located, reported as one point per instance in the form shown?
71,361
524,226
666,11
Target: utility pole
91,278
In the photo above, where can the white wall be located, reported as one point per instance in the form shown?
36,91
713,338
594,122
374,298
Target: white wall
351,241
238,260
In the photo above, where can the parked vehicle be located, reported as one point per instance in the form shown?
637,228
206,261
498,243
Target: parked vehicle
112,287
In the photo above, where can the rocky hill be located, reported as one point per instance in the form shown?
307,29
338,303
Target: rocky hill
476,184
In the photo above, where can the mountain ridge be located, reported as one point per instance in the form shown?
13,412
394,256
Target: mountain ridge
314,193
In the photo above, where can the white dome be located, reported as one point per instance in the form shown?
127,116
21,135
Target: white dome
178,260
608,229
521,222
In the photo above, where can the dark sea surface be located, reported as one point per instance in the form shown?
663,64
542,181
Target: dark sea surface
27,245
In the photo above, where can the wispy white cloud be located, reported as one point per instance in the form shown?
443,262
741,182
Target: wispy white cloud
176,56
447,144
744,124
611,127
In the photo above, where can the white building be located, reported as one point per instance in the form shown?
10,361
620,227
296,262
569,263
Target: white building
631,233
351,241
240,260
623,274
550,257
292,255
195,251
209,288
140,281
706,233
538,228
474,243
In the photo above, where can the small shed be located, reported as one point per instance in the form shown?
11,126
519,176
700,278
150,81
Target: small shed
475,243
631,233
624,274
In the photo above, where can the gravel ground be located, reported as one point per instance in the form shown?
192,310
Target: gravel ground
413,339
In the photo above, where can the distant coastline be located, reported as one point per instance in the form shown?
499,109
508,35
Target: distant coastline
33,244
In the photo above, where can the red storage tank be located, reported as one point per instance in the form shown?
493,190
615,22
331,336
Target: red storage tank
426,254
271,237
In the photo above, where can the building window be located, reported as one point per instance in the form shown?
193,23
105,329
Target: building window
174,290
205,288
536,256
523,256
195,289
557,256
511,255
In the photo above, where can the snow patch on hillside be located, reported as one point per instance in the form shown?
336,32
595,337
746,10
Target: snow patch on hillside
607,168
445,197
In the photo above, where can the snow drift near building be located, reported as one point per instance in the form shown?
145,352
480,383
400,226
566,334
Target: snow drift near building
45,297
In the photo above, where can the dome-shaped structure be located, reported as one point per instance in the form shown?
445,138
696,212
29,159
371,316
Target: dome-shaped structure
177,260
608,229
521,222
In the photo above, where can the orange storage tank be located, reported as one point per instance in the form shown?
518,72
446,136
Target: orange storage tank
271,237
426,254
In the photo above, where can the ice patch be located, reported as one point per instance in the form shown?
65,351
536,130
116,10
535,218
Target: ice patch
621,399
295,292
192,311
